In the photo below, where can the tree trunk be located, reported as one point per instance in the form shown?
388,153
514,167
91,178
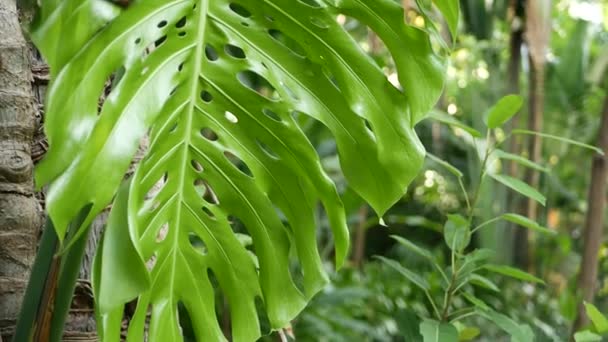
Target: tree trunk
596,201
534,148
538,29
516,39
360,238
516,18
20,214
535,123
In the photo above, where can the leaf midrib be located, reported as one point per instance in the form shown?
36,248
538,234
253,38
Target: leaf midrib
203,8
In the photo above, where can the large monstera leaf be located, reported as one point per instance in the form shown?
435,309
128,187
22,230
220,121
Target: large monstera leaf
229,185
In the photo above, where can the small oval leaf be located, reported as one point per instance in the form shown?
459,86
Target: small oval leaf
504,110
456,233
434,331
600,322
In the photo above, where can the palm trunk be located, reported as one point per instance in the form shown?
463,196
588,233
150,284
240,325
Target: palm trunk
596,201
20,214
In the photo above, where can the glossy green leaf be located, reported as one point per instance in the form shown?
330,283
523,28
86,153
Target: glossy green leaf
587,336
475,301
421,72
472,262
600,322
118,256
211,89
468,334
527,223
480,255
451,12
521,187
409,275
408,324
434,331
518,332
451,121
484,282
453,170
503,110
457,232
520,160
413,247
513,273
558,138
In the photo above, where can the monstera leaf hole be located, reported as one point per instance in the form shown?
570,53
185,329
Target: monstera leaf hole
289,43
234,51
238,163
259,84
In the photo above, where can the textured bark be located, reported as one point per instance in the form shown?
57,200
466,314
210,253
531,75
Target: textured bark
20,214
596,201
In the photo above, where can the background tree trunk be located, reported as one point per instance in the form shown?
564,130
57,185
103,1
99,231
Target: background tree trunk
596,201
538,29
20,213
516,19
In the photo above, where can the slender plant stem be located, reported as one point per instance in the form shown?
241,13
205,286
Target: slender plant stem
485,224
457,318
466,195
445,277
34,294
482,173
428,296
452,288
447,299
463,311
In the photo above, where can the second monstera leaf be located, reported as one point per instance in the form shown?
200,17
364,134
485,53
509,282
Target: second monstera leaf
215,86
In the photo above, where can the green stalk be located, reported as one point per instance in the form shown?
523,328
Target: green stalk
35,287
70,267
51,286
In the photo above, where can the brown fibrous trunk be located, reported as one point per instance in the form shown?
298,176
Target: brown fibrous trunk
596,201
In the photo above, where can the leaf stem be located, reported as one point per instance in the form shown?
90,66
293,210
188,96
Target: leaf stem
463,310
486,223
449,293
457,318
482,173
428,296
466,195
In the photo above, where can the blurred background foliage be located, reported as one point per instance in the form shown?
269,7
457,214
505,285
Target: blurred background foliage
369,301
